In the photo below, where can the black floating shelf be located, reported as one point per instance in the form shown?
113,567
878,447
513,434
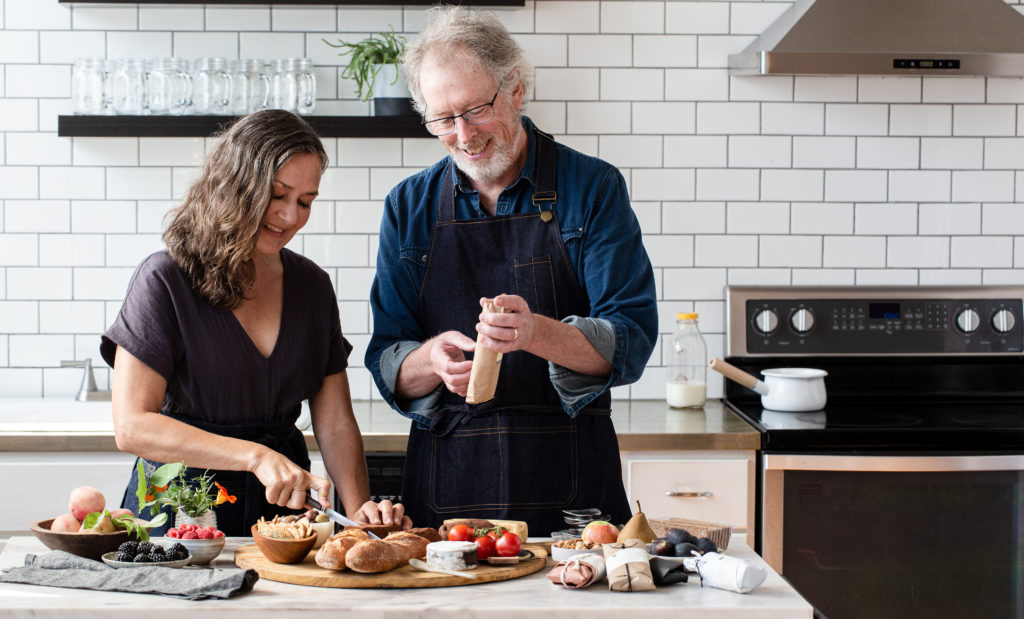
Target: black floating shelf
308,2
202,126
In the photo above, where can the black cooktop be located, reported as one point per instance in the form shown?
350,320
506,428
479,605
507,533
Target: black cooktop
947,406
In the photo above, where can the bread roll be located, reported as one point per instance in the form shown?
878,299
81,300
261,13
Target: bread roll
332,554
429,533
416,545
376,555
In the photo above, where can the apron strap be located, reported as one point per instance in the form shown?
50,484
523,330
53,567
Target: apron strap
446,201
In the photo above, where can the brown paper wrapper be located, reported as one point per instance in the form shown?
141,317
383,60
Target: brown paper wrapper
628,566
578,572
483,376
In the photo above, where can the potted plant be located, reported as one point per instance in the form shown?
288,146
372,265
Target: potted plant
192,500
373,65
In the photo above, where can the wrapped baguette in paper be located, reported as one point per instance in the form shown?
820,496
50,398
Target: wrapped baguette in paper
628,566
578,572
729,573
483,376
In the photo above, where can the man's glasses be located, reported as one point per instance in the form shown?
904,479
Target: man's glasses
479,115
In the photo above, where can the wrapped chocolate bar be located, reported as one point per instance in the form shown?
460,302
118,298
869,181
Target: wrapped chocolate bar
483,375
578,572
628,566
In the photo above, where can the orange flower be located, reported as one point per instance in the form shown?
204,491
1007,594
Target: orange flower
222,495
153,490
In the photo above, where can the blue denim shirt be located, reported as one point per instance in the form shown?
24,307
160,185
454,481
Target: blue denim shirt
601,235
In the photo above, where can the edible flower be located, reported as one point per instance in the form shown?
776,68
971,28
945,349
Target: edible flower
222,495
155,490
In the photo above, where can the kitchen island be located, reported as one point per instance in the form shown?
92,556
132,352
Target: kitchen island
531,595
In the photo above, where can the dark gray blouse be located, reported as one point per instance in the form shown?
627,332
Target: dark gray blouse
214,372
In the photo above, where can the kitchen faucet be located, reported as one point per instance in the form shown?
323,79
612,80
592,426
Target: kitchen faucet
87,392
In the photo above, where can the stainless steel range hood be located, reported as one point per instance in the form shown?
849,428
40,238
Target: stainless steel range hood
888,37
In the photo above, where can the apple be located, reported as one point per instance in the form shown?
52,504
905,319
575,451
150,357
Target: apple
600,532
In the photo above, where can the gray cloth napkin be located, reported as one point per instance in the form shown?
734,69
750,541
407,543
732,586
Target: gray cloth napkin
61,569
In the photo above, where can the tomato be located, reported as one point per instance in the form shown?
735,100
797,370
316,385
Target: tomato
460,533
508,545
484,547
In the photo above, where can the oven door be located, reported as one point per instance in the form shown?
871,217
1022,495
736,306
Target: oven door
880,536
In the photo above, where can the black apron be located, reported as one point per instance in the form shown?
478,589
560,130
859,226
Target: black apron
234,519
518,456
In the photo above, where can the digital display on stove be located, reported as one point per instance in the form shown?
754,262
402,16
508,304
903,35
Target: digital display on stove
884,311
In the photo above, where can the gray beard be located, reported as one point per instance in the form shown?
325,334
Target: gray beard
487,171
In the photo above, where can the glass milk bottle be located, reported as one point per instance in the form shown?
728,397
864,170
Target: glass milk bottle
687,386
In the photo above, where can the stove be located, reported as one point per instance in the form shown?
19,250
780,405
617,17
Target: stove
923,425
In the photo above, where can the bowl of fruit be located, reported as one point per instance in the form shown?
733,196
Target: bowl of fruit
203,543
147,554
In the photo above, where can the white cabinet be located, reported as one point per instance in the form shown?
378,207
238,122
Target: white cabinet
710,486
37,485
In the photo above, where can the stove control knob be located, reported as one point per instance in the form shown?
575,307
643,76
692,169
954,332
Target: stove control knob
766,321
968,320
1003,321
802,320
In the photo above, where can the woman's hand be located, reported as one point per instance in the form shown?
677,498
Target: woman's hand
286,483
384,512
511,330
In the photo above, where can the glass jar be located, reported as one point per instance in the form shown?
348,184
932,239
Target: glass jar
169,87
211,86
88,82
292,85
130,87
250,86
687,373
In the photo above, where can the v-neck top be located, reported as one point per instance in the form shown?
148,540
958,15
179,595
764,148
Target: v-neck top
214,371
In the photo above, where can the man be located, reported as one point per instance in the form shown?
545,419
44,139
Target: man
549,234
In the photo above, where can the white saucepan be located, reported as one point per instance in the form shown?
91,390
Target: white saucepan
783,389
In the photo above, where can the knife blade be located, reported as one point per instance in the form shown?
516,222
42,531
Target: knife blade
335,516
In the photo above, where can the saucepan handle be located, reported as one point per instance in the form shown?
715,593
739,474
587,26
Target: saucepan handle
732,372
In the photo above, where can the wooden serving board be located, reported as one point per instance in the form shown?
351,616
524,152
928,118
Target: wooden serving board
405,577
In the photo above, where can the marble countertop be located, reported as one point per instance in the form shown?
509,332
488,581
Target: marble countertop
30,425
533,594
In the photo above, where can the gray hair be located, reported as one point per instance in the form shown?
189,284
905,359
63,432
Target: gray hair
454,32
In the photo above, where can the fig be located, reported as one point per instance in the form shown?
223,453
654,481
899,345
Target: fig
706,545
686,549
679,536
662,548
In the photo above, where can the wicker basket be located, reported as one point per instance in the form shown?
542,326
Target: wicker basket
718,533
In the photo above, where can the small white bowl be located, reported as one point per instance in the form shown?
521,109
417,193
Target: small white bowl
324,530
561,554
202,550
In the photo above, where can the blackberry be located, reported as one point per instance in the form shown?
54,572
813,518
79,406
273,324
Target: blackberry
157,557
124,556
178,547
145,547
129,547
141,558
177,555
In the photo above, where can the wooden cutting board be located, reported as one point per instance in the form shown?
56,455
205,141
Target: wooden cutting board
311,574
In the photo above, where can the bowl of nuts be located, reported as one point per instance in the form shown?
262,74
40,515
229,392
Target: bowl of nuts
566,548
284,542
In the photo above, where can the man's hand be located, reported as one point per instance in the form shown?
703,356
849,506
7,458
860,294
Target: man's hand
504,332
448,360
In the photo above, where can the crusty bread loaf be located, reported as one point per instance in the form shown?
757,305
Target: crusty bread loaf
429,533
416,544
376,555
380,530
332,554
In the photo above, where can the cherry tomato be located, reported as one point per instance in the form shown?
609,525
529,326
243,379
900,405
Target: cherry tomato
484,547
508,545
460,533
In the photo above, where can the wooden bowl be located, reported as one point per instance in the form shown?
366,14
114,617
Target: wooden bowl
283,550
89,545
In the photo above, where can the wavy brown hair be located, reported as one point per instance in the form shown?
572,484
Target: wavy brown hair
213,234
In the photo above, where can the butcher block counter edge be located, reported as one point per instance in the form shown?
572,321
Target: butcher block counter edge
532,595
41,425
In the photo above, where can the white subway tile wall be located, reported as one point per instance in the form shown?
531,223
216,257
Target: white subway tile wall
846,180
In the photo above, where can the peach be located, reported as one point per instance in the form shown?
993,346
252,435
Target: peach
600,532
65,523
120,511
85,500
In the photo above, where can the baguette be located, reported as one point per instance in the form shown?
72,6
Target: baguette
332,554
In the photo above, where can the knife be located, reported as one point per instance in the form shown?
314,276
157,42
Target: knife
335,516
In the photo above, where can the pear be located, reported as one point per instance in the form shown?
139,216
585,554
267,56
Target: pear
637,528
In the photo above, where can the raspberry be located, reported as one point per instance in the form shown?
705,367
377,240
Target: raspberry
217,534
172,532
204,534
189,535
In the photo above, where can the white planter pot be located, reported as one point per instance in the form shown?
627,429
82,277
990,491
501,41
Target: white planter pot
390,96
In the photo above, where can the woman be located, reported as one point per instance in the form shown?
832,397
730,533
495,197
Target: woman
223,334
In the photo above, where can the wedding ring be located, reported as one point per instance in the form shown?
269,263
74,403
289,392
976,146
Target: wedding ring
515,334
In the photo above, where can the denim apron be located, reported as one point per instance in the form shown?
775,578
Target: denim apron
518,456
234,519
